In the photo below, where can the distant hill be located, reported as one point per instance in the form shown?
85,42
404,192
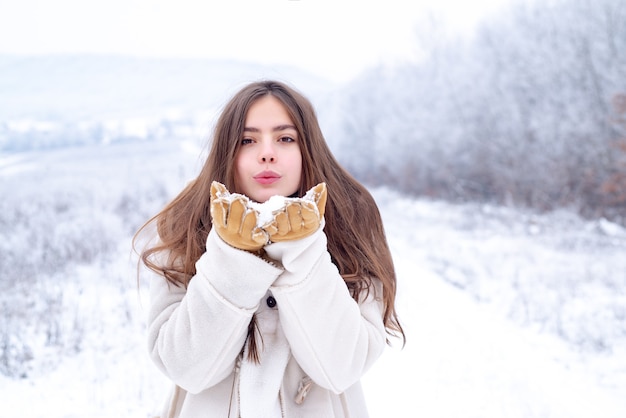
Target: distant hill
56,101
74,88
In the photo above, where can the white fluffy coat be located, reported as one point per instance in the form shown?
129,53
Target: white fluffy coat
196,335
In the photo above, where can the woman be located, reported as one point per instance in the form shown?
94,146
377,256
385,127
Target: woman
280,319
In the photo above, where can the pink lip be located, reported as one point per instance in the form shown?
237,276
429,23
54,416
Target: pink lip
267,177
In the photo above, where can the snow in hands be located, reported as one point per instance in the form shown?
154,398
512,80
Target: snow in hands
266,211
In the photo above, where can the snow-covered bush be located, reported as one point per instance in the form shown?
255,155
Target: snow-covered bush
61,211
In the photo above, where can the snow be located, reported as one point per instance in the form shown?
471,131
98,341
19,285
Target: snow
265,211
507,313
462,359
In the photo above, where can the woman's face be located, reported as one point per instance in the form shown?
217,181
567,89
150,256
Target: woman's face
268,162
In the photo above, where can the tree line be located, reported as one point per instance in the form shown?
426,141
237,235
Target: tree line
530,112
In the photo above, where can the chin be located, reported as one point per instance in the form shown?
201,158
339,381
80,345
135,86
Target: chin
262,196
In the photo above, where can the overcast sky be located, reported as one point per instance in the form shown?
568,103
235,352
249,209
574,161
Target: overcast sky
336,39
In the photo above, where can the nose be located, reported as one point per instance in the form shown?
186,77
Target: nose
267,154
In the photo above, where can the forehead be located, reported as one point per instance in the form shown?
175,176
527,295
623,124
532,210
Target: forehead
267,108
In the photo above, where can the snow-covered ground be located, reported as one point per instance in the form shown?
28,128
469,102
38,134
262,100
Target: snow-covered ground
507,314
466,356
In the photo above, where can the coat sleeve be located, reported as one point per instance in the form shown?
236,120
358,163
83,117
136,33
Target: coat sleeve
332,337
196,334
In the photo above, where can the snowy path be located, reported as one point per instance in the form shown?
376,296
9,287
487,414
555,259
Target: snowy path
460,361
463,361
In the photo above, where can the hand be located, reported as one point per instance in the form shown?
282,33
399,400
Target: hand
233,221
318,195
300,217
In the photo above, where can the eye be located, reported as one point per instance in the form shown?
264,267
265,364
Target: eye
286,138
246,141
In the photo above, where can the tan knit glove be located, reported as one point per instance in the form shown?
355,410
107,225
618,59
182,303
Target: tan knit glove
234,221
300,217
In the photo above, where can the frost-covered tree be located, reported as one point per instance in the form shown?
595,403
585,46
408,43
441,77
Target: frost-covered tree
519,114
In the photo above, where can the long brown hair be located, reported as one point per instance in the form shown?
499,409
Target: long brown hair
356,238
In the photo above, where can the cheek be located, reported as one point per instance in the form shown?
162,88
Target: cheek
298,164
239,167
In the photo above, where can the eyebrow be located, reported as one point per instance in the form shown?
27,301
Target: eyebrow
275,129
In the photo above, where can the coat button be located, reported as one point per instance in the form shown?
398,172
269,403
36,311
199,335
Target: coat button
271,302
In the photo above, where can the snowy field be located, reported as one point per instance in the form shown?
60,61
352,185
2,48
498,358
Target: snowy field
507,314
